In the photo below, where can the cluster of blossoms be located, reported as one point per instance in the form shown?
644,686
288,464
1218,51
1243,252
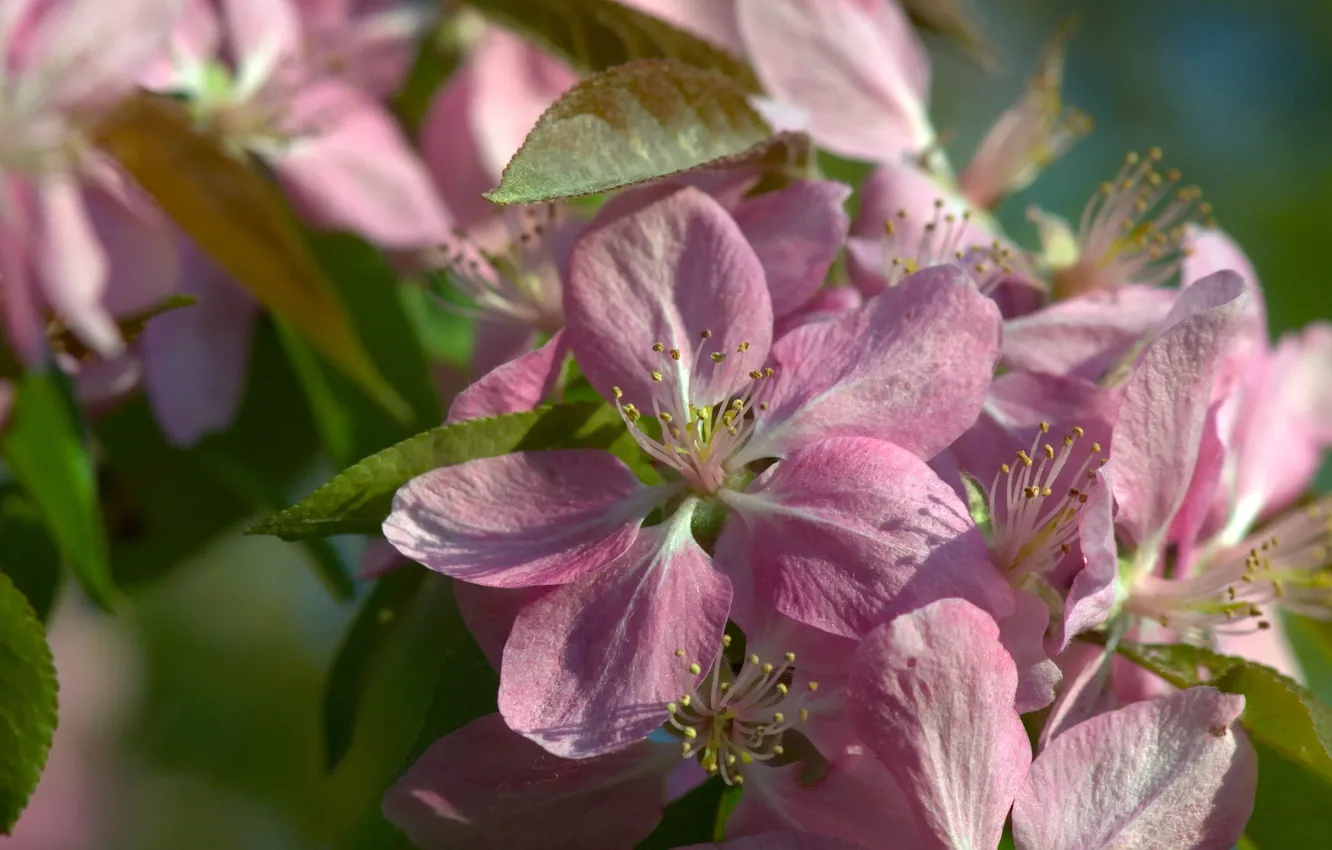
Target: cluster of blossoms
869,518
887,470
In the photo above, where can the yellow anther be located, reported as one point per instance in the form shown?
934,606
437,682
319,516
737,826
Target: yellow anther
742,348
1095,448
659,347
718,356
1004,469
763,405
686,748
666,417
690,732
707,334
812,686
726,640
753,659
695,669
656,375
679,653
778,717
1045,427
790,657
782,689
1049,450
804,715
617,392
675,353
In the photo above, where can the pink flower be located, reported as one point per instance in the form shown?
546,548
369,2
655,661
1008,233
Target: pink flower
1133,230
479,119
932,694
277,99
750,719
667,308
67,64
517,290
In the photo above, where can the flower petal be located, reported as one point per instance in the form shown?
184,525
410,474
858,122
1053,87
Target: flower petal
932,695
856,800
910,367
847,532
513,387
856,67
484,787
515,83
452,153
713,20
388,198
590,666
1173,772
264,36
1086,335
522,519
196,359
1160,424
1092,595
797,232
665,272
490,612
1023,635
778,841
72,264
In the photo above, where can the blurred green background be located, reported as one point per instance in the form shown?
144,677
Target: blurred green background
193,719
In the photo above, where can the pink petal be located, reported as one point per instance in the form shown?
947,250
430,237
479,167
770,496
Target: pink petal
484,787
797,232
86,54
932,695
522,519
665,272
263,35
1092,596
910,367
387,198
1023,635
1265,646
1213,251
497,342
778,841
905,198
855,67
195,39
1284,423
515,83
856,803
1160,424
847,532
713,20
827,304
140,243
196,358
452,155
1174,772
1084,693
24,326
490,612
372,48
590,666
72,265
1084,336
515,386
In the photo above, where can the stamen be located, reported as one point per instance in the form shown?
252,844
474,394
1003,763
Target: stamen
697,440
736,718
1034,529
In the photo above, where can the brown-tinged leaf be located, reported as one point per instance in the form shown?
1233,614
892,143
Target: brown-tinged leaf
595,35
241,221
641,121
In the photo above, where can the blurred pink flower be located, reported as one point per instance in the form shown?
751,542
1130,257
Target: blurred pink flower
65,65
667,303
284,100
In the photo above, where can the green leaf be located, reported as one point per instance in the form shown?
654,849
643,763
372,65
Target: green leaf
689,820
28,555
594,35
27,702
641,121
1311,641
164,503
240,220
378,622
358,499
349,426
1278,711
978,502
466,688
1291,808
45,448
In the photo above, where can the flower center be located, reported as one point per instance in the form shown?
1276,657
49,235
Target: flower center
519,283
1289,564
942,241
697,439
733,719
1133,229
1034,524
